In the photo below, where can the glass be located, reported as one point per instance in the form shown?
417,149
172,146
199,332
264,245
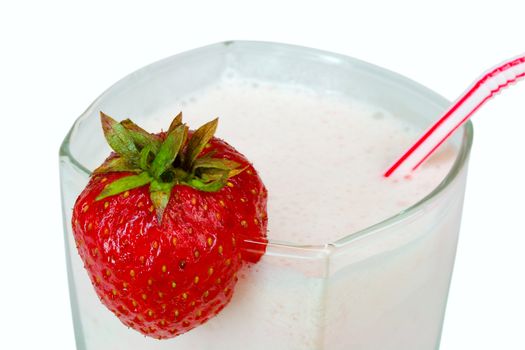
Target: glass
384,287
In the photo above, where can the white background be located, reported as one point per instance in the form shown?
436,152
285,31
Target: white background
59,55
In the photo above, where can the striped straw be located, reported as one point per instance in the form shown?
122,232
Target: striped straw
488,85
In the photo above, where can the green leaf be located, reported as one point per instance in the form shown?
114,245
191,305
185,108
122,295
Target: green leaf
160,195
168,151
237,171
141,137
119,139
212,186
214,163
198,141
208,175
144,157
179,174
179,160
124,184
207,168
176,122
158,186
116,164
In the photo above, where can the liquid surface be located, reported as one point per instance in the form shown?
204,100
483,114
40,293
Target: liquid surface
320,156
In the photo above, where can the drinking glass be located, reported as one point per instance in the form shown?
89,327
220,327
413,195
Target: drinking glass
384,287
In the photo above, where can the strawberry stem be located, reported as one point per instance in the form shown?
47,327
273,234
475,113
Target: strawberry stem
163,161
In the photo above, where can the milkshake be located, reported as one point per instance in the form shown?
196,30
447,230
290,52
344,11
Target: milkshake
355,261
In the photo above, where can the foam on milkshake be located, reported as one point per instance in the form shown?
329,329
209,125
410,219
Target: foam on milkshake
321,156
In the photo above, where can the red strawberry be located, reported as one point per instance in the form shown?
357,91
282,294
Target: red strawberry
166,222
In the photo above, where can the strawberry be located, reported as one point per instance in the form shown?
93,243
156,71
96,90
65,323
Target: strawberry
165,223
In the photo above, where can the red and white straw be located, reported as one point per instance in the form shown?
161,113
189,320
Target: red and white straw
480,91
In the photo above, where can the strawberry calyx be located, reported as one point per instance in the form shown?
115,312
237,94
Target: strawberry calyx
163,161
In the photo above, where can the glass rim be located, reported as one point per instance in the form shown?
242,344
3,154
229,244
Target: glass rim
458,165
